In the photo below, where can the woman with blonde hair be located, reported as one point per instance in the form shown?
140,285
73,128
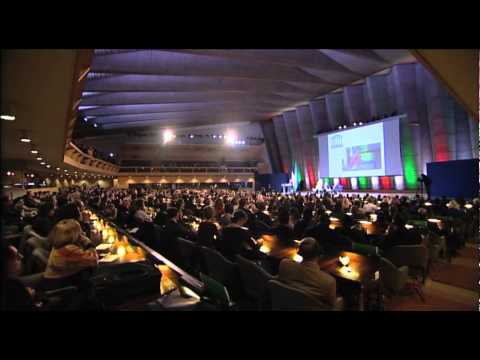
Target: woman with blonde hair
73,255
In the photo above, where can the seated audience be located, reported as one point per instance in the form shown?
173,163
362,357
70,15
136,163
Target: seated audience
16,296
307,275
208,233
236,239
73,256
44,221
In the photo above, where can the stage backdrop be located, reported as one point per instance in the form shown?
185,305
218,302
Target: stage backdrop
274,180
457,178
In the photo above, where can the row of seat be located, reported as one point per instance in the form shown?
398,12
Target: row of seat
247,281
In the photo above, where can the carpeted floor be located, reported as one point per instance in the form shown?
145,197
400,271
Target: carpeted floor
456,275
450,287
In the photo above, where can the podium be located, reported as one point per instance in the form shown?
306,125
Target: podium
287,188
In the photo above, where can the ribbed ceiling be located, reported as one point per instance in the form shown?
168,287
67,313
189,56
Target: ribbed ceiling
138,88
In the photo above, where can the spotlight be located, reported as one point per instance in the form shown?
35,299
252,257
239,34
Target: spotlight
214,136
360,123
32,175
58,169
191,136
65,170
344,126
220,136
8,173
95,125
7,117
34,151
354,124
230,138
25,140
168,136
85,119
340,127
43,163
49,166
111,155
39,158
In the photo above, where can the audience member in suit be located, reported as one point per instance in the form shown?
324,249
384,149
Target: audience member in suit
397,234
326,237
44,221
354,231
29,200
208,233
303,223
15,295
226,219
123,213
236,239
307,275
261,215
173,230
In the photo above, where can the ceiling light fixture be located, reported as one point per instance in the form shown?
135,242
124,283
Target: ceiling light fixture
25,139
7,117
43,163
230,138
168,136
39,158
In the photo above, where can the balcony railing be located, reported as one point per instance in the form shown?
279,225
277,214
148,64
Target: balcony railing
77,158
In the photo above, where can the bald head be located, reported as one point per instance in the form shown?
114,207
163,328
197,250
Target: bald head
309,249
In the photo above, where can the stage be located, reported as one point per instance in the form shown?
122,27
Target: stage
393,193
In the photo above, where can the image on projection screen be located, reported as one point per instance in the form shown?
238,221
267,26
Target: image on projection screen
357,152
363,157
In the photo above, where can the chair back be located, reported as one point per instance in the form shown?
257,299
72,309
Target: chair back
393,278
409,255
188,254
254,278
215,291
222,270
413,256
363,249
25,236
287,298
219,267
40,259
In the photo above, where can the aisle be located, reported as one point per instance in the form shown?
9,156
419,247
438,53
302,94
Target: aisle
440,296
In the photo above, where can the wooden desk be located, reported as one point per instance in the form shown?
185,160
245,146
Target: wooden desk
359,279
268,244
363,267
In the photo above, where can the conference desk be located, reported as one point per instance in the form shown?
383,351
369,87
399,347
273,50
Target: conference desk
133,250
360,277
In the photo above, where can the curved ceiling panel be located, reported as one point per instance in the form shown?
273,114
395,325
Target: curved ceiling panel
185,87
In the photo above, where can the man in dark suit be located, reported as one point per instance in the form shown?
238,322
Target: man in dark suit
261,215
308,277
173,230
328,239
427,182
236,238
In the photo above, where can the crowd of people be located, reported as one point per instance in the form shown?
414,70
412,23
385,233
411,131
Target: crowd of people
231,222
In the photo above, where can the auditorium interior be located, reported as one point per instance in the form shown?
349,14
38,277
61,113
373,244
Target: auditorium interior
240,180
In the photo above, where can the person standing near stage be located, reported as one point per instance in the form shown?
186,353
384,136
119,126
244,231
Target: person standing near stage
427,182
